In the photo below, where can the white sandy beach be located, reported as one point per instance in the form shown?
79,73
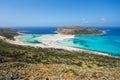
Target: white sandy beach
48,42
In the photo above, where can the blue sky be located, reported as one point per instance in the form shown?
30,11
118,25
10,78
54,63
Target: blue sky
59,12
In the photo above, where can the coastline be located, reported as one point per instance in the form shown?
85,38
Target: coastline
48,42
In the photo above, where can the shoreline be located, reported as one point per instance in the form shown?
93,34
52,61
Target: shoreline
48,42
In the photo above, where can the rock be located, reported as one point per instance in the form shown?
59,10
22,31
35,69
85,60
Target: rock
94,75
12,75
83,75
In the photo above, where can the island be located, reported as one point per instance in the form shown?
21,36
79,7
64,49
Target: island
77,30
20,62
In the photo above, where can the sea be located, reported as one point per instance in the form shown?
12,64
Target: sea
108,43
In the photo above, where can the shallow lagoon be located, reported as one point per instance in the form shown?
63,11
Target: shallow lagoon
108,43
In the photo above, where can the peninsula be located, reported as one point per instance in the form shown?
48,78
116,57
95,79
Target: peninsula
8,33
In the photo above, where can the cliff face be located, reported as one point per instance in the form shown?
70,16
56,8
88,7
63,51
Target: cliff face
77,30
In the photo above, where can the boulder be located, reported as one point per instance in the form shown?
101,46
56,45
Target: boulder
12,75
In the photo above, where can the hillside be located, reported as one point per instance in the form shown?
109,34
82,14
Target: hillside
30,62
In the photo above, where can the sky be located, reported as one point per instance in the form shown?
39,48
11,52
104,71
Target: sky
59,12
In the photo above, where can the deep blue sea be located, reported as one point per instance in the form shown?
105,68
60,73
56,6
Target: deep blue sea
38,30
108,43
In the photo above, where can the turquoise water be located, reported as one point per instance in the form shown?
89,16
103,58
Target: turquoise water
30,39
98,43
108,43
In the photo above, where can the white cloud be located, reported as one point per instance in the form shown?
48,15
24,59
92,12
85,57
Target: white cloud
84,20
103,20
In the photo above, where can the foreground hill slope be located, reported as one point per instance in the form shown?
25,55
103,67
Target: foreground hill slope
51,63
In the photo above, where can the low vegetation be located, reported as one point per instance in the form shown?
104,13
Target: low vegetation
53,63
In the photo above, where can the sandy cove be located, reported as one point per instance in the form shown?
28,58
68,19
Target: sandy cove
48,42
